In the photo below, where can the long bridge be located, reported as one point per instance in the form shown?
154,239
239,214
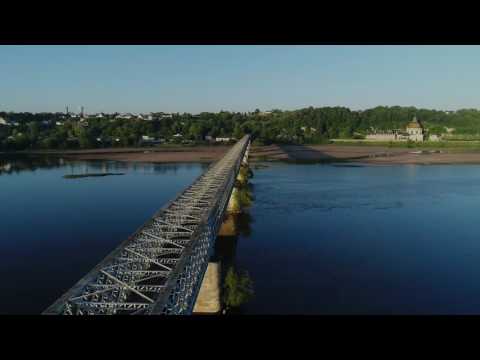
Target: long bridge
159,269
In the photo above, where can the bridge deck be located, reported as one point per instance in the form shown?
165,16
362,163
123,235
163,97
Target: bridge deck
159,269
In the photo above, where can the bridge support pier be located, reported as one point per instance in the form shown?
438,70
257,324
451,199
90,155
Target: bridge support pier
228,227
208,299
235,202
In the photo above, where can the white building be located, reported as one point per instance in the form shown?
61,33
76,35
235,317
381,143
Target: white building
124,116
264,113
434,137
223,139
388,135
3,121
304,128
415,130
382,136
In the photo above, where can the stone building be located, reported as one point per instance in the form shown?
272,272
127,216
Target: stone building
415,130
382,136
388,135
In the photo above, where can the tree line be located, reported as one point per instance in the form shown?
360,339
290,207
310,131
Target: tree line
309,125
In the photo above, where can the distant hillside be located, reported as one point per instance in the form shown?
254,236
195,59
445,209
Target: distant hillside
19,131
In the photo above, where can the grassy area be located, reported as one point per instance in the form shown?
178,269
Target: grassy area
453,145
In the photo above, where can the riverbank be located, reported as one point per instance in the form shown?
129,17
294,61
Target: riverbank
172,154
379,155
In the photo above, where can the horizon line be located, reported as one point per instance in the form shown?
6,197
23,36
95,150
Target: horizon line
248,111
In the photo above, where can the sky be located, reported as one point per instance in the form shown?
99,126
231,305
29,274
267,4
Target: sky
236,78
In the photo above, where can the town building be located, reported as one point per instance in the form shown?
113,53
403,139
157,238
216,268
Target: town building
3,121
387,135
304,128
415,130
124,116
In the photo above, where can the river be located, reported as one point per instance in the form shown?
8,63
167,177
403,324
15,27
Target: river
318,238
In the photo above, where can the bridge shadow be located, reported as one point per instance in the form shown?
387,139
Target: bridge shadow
266,152
305,154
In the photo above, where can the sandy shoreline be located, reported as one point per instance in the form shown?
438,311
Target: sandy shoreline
374,155
362,154
153,155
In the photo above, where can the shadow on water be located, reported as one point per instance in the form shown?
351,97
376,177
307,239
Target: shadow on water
237,287
234,226
349,165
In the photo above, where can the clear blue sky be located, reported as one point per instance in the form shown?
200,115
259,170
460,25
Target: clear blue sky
236,78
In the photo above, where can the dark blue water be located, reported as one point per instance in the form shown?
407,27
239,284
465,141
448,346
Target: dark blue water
54,230
329,239
320,239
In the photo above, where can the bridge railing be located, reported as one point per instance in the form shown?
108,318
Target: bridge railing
159,269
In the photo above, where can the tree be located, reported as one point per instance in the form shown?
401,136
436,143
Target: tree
238,288
237,132
279,127
194,132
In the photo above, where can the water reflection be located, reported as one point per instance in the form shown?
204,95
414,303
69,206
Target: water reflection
16,164
54,230
237,287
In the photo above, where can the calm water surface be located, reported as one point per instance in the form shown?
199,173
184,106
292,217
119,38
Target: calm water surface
54,230
329,239
319,239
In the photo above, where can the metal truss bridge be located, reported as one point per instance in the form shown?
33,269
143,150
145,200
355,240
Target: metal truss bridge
159,269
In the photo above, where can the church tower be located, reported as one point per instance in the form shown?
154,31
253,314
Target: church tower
415,130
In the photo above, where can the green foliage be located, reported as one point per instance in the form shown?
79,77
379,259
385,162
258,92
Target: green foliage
304,126
238,288
245,197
